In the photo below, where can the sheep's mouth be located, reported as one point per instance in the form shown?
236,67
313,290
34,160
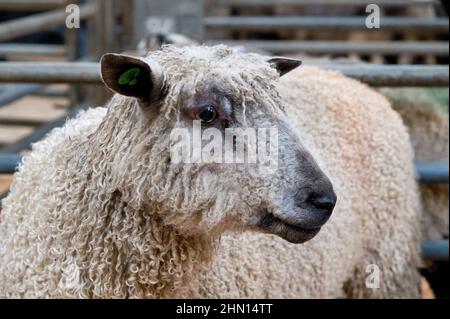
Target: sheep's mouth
294,233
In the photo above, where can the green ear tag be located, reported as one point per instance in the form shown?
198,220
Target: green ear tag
129,77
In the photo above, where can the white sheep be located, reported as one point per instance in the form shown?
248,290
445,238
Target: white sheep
425,117
98,209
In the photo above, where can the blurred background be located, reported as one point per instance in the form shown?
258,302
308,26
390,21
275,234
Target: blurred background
49,69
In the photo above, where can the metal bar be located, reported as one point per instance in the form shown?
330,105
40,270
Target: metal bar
50,72
10,95
436,250
344,47
432,172
383,3
32,49
22,122
30,5
9,162
40,22
336,23
38,134
52,91
89,72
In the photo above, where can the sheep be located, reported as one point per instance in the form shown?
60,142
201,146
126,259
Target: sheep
154,41
427,120
425,114
98,209
265,269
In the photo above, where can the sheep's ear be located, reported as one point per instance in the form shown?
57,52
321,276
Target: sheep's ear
132,76
284,65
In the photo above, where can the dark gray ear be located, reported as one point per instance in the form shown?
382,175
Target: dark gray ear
132,76
284,65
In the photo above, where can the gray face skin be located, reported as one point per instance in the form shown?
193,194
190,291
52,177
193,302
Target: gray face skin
305,208
309,199
293,203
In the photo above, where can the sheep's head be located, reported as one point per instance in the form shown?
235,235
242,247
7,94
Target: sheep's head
186,109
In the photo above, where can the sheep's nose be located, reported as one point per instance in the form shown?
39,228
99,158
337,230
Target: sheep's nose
323,201
318,200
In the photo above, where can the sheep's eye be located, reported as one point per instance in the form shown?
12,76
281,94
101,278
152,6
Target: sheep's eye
207,115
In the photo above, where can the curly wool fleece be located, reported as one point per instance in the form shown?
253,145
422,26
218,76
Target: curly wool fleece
78,221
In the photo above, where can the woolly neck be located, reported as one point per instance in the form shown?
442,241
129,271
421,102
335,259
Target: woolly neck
117,248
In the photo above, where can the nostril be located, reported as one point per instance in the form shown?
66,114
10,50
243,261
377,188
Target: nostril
325,202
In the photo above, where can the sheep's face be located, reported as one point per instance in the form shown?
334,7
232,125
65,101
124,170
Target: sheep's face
220,152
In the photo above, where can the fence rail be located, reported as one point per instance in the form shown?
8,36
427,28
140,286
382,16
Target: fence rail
10,95
32,49
40,22
9,162
268,23
38,134
440,48
31,5
382,3
435,250
432,172
50,72
89,72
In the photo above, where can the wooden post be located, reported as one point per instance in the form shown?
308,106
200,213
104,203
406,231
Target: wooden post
71,37
101,39
125,17
34,23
